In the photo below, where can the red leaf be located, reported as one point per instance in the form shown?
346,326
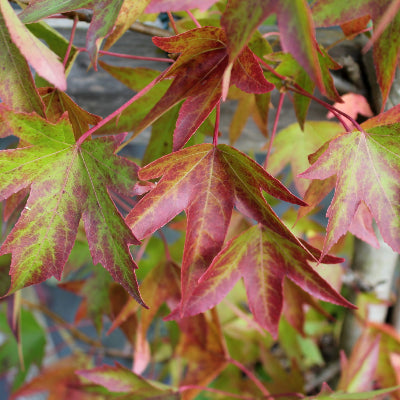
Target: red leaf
198,73
206,182
263,258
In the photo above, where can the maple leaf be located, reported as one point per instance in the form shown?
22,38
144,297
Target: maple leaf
105,12
67,181
387,45
197,78
366,166
263,258
207,182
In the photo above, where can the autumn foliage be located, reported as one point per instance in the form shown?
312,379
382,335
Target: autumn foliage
216,291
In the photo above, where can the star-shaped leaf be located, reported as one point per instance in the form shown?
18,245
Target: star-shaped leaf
198,77
67,181
263,258
206,182
366,164
387,45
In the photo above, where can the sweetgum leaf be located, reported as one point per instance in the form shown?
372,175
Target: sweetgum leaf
67,181
366,165
263,258
105,12
206,182
17,88
197,78
387,45
43,60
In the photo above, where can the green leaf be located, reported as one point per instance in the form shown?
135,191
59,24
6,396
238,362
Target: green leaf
67,181
43,60
17,88
306,142
33,339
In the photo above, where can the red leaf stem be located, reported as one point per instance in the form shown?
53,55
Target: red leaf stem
216,130
193,18
130,56
294,87
71,40
252,377
118,111
271,140
172,21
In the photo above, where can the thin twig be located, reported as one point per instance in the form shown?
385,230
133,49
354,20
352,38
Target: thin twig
172,22
271,140
71,40
193,18
252,377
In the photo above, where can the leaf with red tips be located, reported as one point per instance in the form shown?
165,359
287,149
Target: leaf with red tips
67,182
42,59
197,78
263,258
387,45
206,182
367,168
105,12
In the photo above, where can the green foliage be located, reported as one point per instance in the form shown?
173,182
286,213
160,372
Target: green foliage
227,300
